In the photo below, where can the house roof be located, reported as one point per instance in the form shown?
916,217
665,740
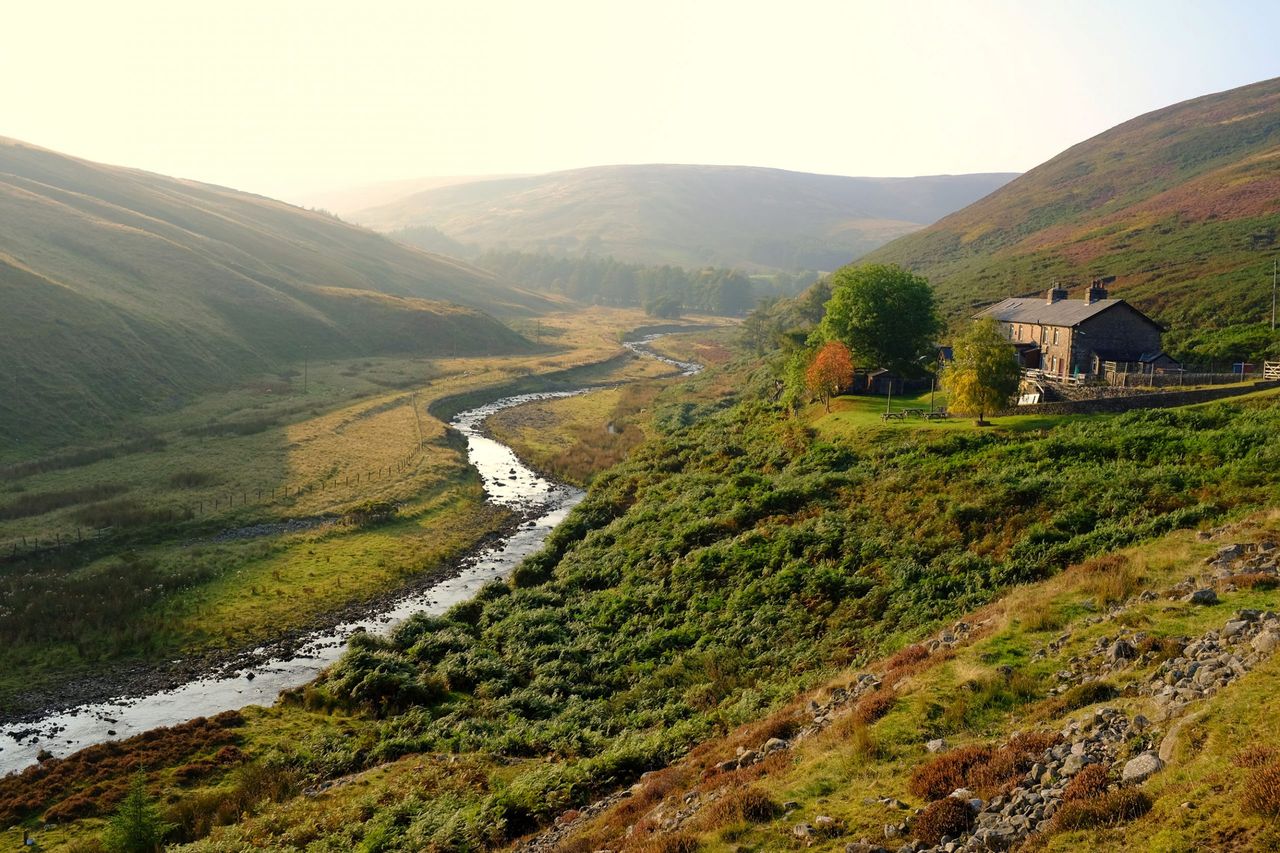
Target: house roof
1064,312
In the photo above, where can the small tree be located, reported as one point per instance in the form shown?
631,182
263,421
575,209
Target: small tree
830,370
884,314
985,374
137,826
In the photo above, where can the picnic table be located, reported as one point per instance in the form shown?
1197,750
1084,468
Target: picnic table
893,416
940,415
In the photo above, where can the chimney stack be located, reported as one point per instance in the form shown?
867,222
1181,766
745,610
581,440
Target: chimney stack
1098,289
1057,293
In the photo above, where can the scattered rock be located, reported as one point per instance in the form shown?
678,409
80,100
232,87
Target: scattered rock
1203,596
1141,767
1122,649
774,744
1266,642
936,745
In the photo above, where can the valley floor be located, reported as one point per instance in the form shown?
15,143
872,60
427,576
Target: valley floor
228,526
762,633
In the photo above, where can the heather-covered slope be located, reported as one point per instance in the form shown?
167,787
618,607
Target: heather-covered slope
121,287
1182,204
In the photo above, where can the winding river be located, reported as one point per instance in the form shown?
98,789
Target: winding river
508,482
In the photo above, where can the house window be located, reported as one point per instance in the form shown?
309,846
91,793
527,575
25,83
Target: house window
1018,333
1044,334
1055,337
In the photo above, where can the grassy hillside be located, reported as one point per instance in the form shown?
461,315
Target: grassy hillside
123,289
1180,204
167,583
739,558
693,216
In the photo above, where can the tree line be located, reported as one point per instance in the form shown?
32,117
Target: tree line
663,291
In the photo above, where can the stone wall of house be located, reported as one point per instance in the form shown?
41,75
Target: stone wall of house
1120,329
1167,400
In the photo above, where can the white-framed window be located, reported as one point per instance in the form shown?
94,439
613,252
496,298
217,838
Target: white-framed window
1055,336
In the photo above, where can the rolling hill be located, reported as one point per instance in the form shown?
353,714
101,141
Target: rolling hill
122,288
1180,204
693,216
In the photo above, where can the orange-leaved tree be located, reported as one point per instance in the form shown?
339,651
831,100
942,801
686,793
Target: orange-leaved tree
830,370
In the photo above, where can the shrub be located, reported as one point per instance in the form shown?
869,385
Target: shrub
1088,784
873,707
1045,617
370,513
1262,793
1009,762
863,742
749,804
678,843
1252,580
1163,648
947,772
191,479
1080,696
1253,756
127,513
1109,579
907,656
137,826
948,816
1109,809
979,767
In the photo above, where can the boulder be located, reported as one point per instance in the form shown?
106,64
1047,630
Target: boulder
1230,552
1235,626
1141,767
774,744
1073,764
1122,650
1204,597
936,745
1266,642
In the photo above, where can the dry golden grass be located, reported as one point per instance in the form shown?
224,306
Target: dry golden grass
1262,793
1109,579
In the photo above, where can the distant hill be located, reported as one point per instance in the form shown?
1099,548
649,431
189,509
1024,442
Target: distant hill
693,216
120,288
1181,204
347,200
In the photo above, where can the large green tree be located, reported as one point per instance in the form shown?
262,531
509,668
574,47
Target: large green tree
884,314
984,375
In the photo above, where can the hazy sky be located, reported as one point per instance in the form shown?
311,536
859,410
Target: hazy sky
287,97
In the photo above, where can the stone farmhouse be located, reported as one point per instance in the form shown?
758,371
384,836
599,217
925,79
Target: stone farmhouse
1067,338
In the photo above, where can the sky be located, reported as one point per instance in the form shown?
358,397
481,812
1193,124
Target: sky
288,98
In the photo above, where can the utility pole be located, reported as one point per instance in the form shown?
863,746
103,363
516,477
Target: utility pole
1274,263
305,355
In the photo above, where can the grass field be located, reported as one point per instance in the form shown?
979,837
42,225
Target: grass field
858,414
159,586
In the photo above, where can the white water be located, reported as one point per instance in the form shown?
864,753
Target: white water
507,482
